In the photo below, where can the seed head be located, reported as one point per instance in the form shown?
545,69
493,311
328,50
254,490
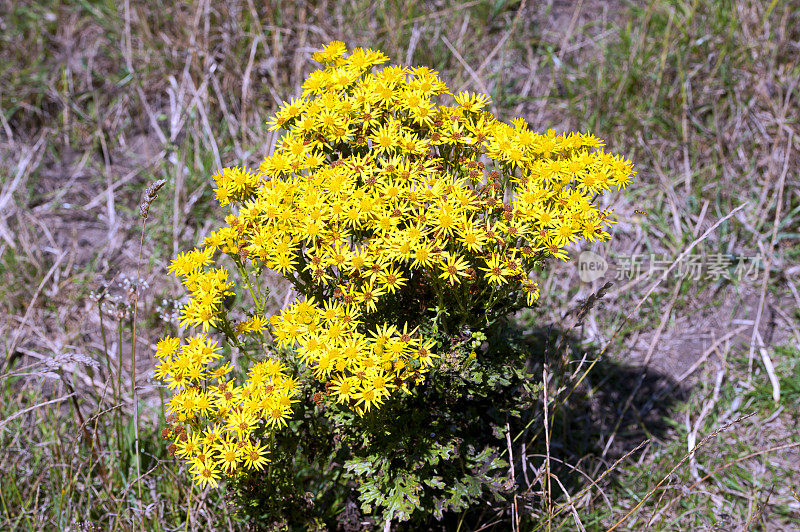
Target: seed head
149,196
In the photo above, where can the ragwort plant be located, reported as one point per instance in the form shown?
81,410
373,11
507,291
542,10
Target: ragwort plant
409,230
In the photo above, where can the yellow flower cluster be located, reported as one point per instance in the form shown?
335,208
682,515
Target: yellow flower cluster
373,187
220,415
361,370
207,288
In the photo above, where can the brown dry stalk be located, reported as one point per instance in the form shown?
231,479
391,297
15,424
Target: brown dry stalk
601,477
88,438
682,460
144,209
742,459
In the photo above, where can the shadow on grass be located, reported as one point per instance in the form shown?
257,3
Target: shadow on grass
596,419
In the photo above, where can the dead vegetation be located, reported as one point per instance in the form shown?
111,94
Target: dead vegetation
101,99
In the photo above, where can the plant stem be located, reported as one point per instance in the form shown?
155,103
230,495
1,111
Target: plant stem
256,296
133,375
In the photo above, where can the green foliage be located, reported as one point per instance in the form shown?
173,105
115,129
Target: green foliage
787,373
434,452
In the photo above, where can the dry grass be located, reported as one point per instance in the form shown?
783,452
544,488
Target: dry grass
101,99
